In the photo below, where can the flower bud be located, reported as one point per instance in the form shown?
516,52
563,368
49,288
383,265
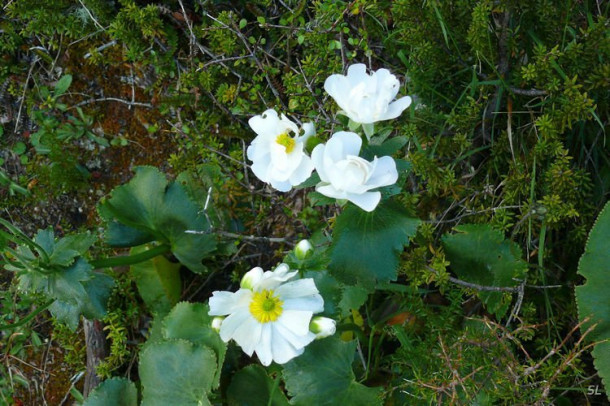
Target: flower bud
303,249
216,322
322,327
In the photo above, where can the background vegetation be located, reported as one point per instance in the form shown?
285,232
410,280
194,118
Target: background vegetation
508,128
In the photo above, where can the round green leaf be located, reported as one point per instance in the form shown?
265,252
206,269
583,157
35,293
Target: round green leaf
113,392
176,372
190,321
592,298
323,376
253,387
377,239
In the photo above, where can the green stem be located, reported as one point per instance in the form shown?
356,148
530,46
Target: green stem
28,317
130,259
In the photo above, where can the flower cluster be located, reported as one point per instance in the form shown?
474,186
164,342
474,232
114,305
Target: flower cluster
270,315
280,159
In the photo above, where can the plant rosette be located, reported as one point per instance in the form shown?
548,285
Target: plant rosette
277,157
365,98
345,175
271,315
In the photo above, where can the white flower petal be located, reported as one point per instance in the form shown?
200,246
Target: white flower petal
395,109
223,303
330,191
298,288
314,303
248,335
342,144
297,341
296,321
366,201
282,186
232,323
263,347
317,157
384,174
266,123
302,172
356,74
282,350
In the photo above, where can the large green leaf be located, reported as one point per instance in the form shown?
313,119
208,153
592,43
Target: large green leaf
592,298
479,254
323,376
158,281
151,208
176,372
190,321
366,246
252,386
113,392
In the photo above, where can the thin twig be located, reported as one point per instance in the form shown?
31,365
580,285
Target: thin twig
115,99
227,234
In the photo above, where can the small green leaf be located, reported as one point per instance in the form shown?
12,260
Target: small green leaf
368,128
592,297
377,237
479,254
176,372
115,392
158,281
242,23
19,148
323,376
300,39
252,386
190,321
389,147
62,85
70,247
352,297
261,19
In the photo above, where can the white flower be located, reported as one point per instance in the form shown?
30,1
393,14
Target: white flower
366,98
322,327
277,157
345,175
302,249
269,315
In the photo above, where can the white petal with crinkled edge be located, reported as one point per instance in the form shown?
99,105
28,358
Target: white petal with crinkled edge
297,341
263,347
232,323
395,109
248,334
314,303
384,174
223,303
298,288
273,279
296,321
366,201
303,172
282,350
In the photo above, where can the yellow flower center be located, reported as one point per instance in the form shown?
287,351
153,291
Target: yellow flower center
286,141
265,307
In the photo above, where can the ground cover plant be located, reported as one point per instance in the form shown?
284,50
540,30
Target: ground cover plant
304,202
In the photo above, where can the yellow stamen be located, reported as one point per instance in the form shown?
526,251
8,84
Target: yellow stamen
265,307
286,141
